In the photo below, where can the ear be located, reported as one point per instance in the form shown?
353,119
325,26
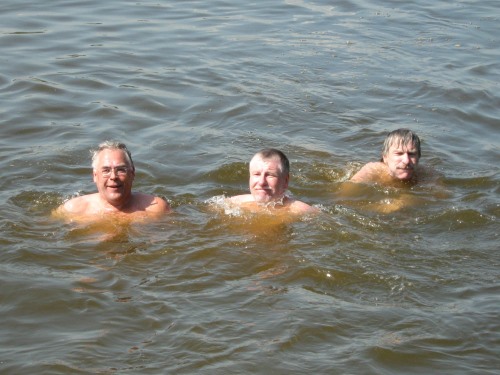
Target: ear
286,181
94,175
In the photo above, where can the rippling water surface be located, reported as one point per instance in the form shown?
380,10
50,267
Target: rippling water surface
195,88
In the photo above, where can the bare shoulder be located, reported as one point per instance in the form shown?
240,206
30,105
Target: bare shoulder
302,208
370,172
151,203
77,205
244,198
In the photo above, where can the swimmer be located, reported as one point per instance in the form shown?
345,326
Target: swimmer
396,172
269,177
113,174
399,162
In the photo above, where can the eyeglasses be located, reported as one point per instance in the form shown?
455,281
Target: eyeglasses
119,171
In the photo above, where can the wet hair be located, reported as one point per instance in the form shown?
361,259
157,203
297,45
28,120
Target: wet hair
111,145
400,137
269,153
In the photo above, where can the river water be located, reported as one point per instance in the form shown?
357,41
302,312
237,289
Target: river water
195,88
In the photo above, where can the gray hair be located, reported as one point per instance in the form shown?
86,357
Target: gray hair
111,145
401,137
268,153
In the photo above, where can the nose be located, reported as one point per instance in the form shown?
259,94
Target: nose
406,158
262,179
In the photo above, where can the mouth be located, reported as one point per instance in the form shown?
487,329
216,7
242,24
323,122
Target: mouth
262,195
405,173
264,191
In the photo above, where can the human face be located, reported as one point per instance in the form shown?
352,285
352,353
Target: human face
267,182
402,161
115,186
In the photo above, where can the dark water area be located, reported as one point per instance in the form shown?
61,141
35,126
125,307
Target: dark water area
195,88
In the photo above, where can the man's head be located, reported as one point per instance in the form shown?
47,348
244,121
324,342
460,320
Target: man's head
401,153
111,145
114,172
269,175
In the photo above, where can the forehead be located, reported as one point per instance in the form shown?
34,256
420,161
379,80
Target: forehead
398,145
110,157
271,163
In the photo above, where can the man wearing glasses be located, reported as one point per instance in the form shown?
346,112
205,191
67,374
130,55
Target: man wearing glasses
113,173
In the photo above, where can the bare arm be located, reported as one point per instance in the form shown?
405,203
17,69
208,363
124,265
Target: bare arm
158,206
